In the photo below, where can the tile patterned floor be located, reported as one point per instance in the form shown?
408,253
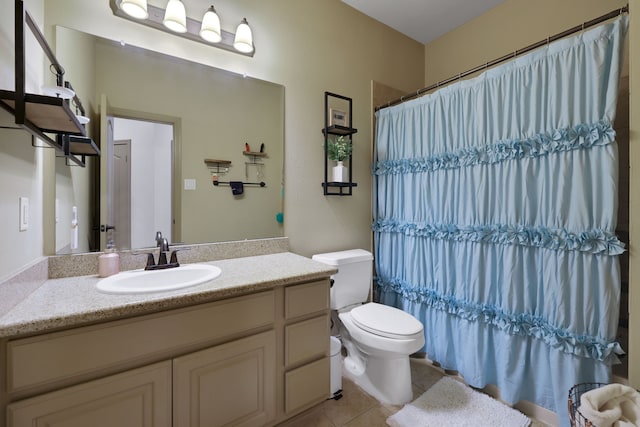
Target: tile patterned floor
358,409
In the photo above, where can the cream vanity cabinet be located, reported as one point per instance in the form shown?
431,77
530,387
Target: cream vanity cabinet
250,360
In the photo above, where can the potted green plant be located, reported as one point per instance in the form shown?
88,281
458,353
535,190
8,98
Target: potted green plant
338,149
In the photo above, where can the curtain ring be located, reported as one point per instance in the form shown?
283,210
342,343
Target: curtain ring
402,98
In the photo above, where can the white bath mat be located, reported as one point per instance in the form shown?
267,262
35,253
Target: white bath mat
451,403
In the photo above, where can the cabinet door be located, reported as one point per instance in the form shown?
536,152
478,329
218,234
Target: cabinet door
136,398
229,384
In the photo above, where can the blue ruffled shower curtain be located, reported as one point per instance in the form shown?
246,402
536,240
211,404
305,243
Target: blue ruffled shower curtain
495,206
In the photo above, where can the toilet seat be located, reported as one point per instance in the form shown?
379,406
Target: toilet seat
386,321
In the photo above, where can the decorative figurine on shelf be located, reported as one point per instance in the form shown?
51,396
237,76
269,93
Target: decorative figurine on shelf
339,149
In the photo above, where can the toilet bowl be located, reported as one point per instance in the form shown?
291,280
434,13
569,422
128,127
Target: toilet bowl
378,338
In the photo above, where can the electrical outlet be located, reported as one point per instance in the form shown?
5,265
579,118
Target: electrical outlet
24,213
189,184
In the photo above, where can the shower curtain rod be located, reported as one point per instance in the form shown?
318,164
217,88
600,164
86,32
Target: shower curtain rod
504,58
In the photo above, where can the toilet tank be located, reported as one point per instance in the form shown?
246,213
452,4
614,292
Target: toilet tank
353,281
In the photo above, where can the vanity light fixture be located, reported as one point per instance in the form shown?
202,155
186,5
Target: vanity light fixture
135,8
244,39
175,17
210,29
173,20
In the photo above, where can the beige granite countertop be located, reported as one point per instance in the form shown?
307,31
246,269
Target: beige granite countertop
75,301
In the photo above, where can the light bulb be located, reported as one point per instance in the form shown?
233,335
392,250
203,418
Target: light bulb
244,40
175,17
210,30
135,8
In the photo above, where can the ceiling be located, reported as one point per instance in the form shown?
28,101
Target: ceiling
423,20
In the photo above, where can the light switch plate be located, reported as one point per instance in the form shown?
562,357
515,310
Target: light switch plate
189,184
24,213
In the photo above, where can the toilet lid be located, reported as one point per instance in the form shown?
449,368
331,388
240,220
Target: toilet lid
385,321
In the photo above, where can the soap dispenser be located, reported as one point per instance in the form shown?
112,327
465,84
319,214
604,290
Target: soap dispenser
109,261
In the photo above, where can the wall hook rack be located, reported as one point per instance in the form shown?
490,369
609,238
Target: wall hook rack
254,155
251,184
218,166
254,161
237,187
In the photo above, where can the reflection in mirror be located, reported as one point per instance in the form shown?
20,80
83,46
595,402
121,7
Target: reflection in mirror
215,114
73,190
141,165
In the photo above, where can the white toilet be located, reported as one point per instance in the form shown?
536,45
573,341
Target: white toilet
378,338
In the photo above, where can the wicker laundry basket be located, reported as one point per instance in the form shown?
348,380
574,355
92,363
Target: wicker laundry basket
576,418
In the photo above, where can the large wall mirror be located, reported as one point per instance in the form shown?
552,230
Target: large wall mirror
157,119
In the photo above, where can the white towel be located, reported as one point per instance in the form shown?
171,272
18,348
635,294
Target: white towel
612,405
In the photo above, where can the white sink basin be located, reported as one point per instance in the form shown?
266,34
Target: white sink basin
146,281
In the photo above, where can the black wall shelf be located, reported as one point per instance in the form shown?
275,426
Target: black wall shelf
332,188
339,130
43,115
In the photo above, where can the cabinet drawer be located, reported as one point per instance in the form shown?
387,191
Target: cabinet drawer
62,355
137,398
307,385
306,299
306,340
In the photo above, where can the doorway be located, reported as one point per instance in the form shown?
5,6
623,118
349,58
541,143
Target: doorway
122,192
142,181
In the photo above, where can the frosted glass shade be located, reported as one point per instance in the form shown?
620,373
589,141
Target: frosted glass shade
244,40
135,8
210,30
175,17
